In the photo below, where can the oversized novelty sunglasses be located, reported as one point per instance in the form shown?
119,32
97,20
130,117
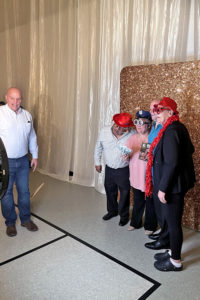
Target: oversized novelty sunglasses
140,122
158,110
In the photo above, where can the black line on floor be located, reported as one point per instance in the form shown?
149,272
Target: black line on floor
156,284
150,291
50,224
112,258
32,250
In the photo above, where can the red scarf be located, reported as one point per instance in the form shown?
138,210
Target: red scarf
149,185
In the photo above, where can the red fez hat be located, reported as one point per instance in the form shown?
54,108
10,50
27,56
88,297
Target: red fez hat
123,119
169,103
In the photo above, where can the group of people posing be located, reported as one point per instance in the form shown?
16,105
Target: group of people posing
156,161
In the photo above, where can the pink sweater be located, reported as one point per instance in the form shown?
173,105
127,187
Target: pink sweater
137,166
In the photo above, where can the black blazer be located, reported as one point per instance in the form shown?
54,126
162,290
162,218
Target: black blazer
173,168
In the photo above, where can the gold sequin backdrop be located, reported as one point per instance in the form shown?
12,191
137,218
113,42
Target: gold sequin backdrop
139,85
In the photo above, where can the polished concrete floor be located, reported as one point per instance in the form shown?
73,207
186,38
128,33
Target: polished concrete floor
77,255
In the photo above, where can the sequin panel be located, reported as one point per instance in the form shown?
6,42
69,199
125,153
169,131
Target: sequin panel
139,85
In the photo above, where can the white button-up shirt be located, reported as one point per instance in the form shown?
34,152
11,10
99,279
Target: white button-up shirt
17,132
108,144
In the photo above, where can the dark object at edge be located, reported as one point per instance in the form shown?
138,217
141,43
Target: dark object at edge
4,170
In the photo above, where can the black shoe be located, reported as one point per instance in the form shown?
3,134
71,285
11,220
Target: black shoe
166,265
123,222
162,256
156,245
108,216
154,236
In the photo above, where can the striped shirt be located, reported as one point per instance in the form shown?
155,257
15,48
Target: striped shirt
108,145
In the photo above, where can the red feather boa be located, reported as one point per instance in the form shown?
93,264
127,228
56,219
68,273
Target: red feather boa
149,185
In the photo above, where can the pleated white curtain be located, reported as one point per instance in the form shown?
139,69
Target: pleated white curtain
66,56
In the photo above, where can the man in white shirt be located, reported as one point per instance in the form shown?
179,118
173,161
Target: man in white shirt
111,142
18,136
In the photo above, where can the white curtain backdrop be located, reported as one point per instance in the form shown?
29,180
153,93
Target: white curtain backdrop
66,56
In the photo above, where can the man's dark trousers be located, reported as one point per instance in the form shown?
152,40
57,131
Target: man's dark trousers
118,179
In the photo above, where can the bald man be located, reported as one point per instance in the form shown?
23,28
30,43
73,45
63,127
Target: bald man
18,136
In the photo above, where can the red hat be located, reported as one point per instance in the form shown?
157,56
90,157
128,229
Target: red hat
170,103
123,119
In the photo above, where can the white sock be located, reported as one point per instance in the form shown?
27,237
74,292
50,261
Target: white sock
178,265
170,252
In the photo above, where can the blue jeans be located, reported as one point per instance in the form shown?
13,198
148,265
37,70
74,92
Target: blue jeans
18,174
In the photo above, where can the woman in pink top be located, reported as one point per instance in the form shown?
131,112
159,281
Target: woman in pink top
138,143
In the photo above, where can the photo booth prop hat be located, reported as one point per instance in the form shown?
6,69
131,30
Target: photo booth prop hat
123,120
169,103
143,114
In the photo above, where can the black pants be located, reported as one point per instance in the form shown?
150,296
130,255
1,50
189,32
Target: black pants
164,234
172,213
150,221
118,179
158,208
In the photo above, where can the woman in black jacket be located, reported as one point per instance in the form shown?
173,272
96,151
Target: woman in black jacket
173,175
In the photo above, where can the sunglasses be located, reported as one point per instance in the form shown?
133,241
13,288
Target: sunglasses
158,110
140,122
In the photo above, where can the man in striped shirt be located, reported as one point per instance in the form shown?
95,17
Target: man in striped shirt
111,142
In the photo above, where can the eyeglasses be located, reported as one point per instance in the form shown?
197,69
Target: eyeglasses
158,110
140,122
